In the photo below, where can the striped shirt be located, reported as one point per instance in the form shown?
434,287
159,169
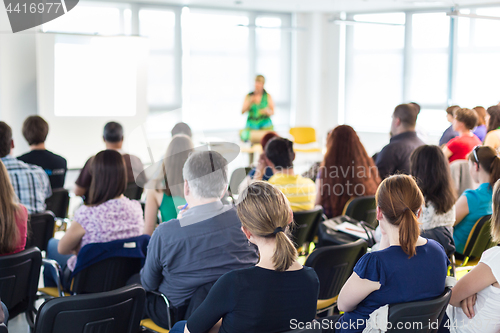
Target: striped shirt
300,191
30,182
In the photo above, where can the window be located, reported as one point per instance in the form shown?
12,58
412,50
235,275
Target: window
374,71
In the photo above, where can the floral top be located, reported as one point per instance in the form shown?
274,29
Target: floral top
114,219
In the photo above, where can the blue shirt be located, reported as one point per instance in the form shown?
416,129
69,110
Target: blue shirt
402,279
480,132
447,136
268,173
479,203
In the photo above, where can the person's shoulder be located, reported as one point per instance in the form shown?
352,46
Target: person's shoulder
435,247
491,256
24,157
55,156
305,180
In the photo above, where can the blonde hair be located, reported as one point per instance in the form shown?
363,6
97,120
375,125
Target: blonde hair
9,233
264,209
170,176
495,217
260,78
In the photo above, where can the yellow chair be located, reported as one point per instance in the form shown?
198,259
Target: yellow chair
150,325
304,136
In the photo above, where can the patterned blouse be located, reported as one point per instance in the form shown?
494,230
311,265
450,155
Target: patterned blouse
114,219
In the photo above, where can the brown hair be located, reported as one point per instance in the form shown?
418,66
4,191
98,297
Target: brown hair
109,177
431,170
9,233
171,169
5,139
488,159
481,114
262,209
495,217
407,113
467,117
494,122
345,152
399,199
451,109
260,78
265,139
35,130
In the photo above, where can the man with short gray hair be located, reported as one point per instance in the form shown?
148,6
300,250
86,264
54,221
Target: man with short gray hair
204,243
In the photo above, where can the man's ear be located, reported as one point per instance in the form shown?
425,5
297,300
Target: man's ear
186,188
268,162
11,144
293,159
398,121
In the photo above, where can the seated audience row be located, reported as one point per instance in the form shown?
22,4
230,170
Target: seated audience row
464,121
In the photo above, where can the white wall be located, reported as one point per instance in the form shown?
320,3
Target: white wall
18,97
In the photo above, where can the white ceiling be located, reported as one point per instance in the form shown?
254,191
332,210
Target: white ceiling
326,5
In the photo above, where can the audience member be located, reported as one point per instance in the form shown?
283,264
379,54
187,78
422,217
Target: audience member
35,130
480,130
431,170
200,246
262,298
407,267
395,157
493,124
300,191
346,171
13,217
113,138
449,133
107,215
484,167
475,299
30,183
168,192
4,313
181,128
263,171
458,148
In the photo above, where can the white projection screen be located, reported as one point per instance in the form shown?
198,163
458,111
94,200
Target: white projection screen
84,81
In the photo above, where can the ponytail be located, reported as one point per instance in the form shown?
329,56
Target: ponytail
285,253
488,159
408,232
495,171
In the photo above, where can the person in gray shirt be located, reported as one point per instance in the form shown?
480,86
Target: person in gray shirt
205,242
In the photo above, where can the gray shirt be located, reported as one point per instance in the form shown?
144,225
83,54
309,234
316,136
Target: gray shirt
183,256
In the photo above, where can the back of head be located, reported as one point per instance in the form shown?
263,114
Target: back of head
481,114
400,199
466,116
495,217
280,152
346,162
266,138
35,130
206,174
9,233
181,128
109,177
416,105
171,174
262,209
5,139
494,121
407,114
113,132
489,161
431,170
451,109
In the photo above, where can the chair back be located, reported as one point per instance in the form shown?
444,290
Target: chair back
237,178
306,225
334,264
362,209
303,135
108,312
58,202
40,230
19,275
459,171
133,191
420,316
103,267
479,239
3,328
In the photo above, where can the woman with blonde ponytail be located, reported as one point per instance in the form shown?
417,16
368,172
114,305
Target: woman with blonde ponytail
407,267
484,168
268,296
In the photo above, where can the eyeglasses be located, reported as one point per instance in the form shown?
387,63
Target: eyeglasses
476,148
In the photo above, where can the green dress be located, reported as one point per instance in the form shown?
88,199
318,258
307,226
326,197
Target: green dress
256,120
168,207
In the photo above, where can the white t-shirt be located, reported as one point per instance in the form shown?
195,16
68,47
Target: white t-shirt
487,308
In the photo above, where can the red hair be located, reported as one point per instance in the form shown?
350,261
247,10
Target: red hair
265,139
346,164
